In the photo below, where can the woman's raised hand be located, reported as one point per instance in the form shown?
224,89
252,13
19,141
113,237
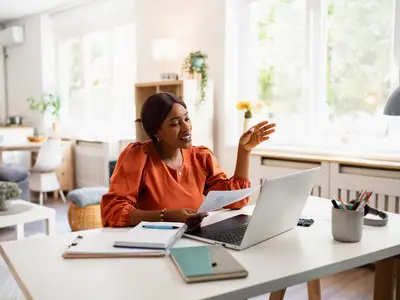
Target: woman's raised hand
256,135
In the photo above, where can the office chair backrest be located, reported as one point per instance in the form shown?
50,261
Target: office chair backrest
49,157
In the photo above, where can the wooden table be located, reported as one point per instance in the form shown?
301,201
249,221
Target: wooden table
297,256
28,146
21,212
65,172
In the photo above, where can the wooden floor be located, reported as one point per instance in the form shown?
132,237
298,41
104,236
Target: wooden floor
355,284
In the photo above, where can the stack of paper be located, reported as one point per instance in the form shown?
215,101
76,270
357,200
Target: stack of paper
219,199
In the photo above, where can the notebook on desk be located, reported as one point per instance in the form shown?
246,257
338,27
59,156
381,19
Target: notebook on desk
101,245
206,263
152,235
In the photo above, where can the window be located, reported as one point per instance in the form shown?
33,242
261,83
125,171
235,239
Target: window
282,60
325,69
96,72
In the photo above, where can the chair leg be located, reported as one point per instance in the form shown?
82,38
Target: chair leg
41,198
62,196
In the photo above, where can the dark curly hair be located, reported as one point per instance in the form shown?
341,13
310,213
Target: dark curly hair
155,110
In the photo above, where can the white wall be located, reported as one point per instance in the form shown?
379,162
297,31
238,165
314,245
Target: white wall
2,89
209,26
49,72
24,69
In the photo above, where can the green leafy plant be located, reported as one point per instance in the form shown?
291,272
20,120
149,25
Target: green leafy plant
9,190
196,62
47,103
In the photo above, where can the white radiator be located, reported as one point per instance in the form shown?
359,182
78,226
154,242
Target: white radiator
336,180
346,180
92,162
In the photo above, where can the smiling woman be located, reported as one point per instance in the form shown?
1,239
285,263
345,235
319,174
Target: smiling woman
165,179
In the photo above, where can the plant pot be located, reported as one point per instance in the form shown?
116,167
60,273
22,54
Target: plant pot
3,201
197,62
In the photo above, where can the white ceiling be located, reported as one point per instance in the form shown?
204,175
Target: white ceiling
17,9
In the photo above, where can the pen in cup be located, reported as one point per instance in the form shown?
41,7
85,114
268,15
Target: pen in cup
354,205
335,205
343,204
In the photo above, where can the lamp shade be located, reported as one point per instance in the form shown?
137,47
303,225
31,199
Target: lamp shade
164,49
392,106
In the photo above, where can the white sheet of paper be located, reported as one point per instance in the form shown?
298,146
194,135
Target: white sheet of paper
219,199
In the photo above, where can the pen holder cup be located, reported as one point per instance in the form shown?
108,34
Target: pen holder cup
347,226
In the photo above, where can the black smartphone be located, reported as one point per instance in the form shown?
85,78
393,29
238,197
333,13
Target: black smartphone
305,222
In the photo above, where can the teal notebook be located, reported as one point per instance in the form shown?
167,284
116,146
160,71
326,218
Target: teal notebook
205,263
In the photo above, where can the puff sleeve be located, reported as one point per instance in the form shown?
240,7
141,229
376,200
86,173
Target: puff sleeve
218,180
119,202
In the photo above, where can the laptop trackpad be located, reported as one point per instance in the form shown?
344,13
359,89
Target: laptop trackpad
214,230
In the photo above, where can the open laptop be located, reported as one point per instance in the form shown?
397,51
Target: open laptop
278,209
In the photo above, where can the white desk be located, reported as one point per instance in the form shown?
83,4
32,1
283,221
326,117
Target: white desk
21,212
297,256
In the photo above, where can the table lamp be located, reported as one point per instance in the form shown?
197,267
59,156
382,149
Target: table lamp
165,50
392,106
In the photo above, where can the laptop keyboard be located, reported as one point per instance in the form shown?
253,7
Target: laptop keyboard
232,236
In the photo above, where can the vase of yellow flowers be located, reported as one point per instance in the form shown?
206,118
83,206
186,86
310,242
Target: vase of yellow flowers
248,109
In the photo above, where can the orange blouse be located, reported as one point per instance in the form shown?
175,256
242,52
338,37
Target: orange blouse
142,180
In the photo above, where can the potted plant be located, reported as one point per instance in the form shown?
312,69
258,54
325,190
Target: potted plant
8,191
195,63
249,108
47,103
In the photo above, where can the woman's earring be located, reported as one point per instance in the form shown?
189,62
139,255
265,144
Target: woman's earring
158,138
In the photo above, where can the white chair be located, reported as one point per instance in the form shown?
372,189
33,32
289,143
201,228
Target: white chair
43,178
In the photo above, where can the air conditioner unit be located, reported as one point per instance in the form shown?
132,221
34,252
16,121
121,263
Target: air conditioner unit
11,36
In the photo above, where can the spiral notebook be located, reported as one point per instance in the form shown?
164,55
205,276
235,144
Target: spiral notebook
152,235
101,245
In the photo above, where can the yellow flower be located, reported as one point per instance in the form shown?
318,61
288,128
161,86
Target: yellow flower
243,105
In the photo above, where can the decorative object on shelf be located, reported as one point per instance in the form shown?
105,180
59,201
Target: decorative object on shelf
165,50
8,191
36,138
48,103
14,120
195,65
248,108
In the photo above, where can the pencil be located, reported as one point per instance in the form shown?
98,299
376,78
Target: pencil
343,205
